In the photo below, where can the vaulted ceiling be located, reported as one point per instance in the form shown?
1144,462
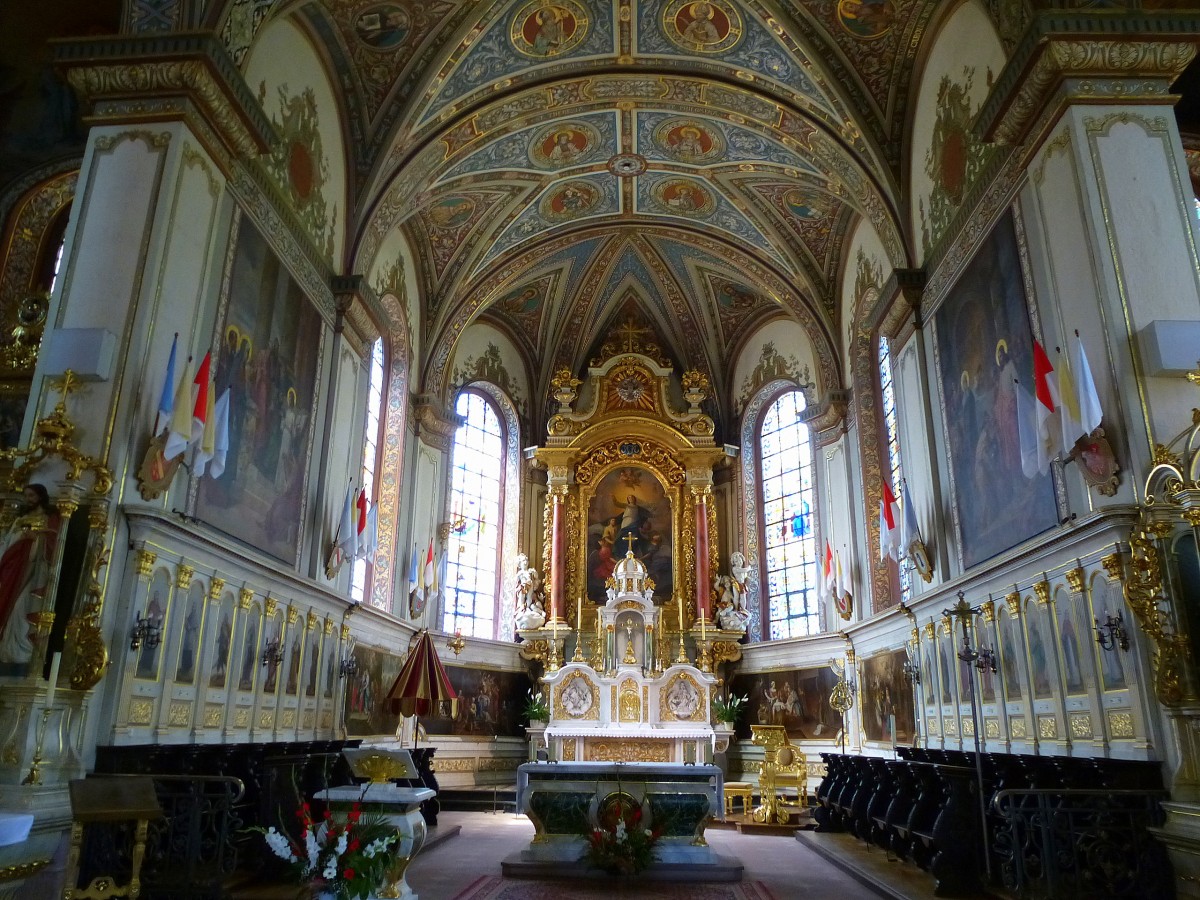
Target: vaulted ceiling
557,164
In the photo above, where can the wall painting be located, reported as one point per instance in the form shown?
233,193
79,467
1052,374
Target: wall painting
630,511
887,699
797,699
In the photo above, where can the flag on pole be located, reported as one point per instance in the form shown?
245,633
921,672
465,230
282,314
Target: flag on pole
1090,413
429,574
889,527
216,468
208,440
843,597
1043,378
166,400
203,390
368,541
347,534
827,573
360,525
414,571
910,531
1067,400
1027,430
180,433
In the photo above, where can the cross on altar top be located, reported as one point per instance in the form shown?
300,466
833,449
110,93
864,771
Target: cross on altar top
629,538
630,331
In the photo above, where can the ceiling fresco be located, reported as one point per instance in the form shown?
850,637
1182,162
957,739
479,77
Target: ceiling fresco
550,162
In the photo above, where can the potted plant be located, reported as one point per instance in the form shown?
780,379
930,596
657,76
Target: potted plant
621,845
726,709
536,710
347,859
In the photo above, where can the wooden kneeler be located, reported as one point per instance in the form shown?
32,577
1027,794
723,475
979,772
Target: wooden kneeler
110,800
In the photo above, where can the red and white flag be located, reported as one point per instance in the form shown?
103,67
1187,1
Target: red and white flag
889,524
360,525
1027,433
347,533
827,573
843,596
429,574
202,408
1043,379
368,541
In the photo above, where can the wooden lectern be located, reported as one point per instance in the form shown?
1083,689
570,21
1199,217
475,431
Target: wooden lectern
110,800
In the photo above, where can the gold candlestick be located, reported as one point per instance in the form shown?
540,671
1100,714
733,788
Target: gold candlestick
35,768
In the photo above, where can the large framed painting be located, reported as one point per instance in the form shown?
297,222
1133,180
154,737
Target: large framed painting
630,510
887,699
489,703
797,699
365,711
984,346
269,352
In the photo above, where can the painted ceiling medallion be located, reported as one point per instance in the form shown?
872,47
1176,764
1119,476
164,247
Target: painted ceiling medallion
382,27
544,30
707,26
684,197
689,141
570,200
866,19
563,144
627,165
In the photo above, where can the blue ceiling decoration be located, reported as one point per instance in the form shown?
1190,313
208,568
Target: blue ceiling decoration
668,137
562,203
526,35
588,139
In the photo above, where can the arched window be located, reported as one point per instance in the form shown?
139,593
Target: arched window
358,582
786,482
471,574
887,391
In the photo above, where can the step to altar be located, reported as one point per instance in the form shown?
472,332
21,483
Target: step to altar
714,868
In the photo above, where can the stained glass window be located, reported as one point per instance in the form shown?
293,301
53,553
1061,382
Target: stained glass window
785,454
358,580
469,578
887,390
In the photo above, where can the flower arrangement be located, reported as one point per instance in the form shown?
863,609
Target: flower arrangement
348,859
621,846
727,709
536,708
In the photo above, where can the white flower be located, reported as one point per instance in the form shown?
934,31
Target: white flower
280,845
312,849
343,842
330,872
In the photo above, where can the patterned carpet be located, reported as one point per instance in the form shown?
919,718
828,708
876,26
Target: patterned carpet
493,887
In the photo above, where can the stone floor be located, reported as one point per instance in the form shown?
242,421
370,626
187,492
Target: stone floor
784,865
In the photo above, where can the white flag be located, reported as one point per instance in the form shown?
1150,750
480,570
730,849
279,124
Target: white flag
911,530
216,468
347,533
1090,413
1027,431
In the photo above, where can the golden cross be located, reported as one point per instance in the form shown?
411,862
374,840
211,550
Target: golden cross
631,331
630,539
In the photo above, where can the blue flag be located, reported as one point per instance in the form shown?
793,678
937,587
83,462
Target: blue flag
166,401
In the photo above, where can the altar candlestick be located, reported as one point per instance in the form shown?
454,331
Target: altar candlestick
702,625
681,615
579,614
54,664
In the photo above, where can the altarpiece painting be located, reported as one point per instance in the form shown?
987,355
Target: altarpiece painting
629,511
985,355
268,357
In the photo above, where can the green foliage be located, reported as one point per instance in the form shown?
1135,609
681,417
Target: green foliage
727,709
535,707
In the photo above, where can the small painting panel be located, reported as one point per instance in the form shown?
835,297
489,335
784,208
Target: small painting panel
1012,651
1069,646
224,643
1036,627
630,511
268,360
157,597
985,356
887,699
189,644
365,711
797,699
1107,600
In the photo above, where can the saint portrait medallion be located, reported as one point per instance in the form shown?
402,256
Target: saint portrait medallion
451,212
543,30
569,201
866,19
702,26
562,144
687,198
689,141
806,204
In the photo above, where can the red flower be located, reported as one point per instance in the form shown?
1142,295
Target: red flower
353,845
348,874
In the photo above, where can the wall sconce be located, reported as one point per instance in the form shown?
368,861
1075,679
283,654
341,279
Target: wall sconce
146,631
912,672
456,525
1112,634
456,643
348,667
272,654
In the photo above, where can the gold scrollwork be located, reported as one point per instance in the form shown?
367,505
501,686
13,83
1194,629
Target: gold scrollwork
245,598
1081,725
1047,727
1041,590
1016,727
1145,597
215,586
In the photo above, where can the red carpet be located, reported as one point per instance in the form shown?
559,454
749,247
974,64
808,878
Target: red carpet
493,887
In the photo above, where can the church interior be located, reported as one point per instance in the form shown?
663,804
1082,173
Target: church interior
792,401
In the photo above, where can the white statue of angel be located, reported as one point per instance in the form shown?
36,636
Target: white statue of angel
530,610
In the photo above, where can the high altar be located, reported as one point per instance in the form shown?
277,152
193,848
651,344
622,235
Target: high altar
631,563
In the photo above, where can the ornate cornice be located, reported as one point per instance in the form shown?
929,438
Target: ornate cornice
437,424
156,77
356,318
1086,59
